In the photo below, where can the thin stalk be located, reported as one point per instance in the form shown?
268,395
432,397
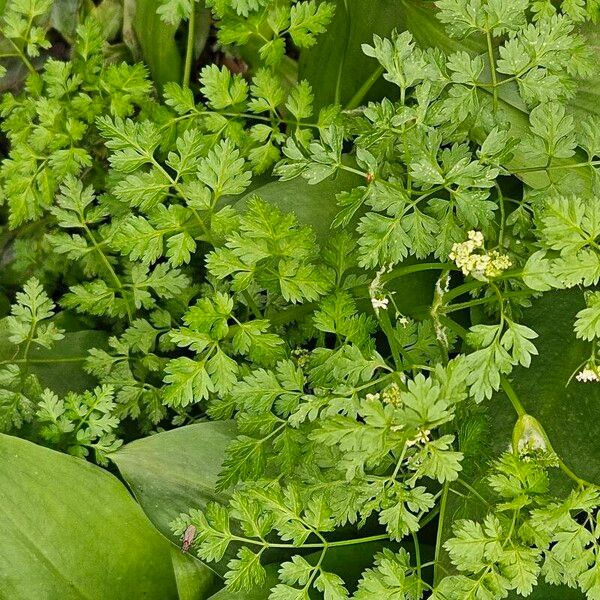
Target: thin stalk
22,56
189,53
418,562
43,361
478,301
589,163
490,50
363,90
438,539
109,269
388,330
512,396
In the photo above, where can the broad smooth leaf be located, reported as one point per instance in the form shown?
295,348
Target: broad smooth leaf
173,471
194,579
336,67
314,205
70,531
157,42
61,367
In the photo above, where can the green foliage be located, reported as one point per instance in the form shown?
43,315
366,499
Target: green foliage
80,422
28,326
267,23
85,510
284,326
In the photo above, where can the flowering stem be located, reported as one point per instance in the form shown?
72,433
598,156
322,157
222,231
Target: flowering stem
418,562
401,271
386,326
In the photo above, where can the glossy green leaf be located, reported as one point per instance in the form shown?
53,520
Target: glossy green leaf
69,531
195,580
568,413
314,205
64,17
61,367
157,42
336,66
173,471
109,14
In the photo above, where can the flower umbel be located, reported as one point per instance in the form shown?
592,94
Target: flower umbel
481,265
587,375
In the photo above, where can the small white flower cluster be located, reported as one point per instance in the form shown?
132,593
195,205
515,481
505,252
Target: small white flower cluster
391,395
381,302
482,266
587,375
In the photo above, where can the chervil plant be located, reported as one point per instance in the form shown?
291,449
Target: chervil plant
387,309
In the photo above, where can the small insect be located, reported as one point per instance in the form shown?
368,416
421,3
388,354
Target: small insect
188,538
370,177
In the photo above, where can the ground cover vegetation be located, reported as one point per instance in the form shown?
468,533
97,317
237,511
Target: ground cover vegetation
299,299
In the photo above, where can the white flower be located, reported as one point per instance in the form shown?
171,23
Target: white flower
379,303
482,266
476,237
587,375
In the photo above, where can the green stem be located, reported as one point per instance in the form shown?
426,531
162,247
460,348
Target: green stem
502,215
578,480
386,326
473,491
43,361
512,396
490,50
364,89
401,271
189,53
109,269
418,562
462,289
440,527
22,56
458,329
478,301
589,163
